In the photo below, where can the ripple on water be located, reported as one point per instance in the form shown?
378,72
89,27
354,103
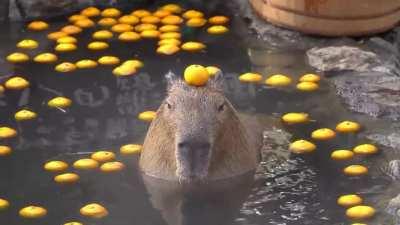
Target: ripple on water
284,194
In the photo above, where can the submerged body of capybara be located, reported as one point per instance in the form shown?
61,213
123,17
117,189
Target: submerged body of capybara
197,135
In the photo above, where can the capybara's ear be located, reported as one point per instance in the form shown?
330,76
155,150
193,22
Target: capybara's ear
217,81
171,79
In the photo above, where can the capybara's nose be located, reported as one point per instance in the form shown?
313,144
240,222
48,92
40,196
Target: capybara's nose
193,154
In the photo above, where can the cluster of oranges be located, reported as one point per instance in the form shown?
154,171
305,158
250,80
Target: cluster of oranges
108,165
355,209
104,157
307,82
163,24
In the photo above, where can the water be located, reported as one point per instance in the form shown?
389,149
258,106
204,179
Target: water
300,190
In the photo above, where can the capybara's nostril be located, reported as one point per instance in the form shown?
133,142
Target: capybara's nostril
182,145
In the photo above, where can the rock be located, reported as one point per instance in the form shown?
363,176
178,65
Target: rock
393,208
388,52
13,11
393,37
388,136
374,93
343,58
275,148
383,46
369,80
377,55
393,169
276,138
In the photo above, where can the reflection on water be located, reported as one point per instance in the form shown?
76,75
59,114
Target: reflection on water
212,203
300,190
293,187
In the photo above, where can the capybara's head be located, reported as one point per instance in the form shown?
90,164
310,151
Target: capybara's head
197,136
195,117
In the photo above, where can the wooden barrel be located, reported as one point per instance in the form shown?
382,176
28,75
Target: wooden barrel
331,17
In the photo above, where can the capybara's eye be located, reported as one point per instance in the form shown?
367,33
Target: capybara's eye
169,106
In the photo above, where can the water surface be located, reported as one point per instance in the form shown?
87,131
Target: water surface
300,190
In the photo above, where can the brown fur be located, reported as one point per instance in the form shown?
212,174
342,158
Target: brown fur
158,157
234,154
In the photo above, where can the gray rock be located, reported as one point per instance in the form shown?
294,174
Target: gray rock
388,52
383,46
389,137
393,169
373,93
343,58
369,80
370,54
276,138
275,148
393,208
393,37
13,11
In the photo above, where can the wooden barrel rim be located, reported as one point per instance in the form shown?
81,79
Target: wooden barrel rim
310,14
326,27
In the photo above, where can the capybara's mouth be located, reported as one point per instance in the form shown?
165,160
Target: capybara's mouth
191,178
189,174
192,165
